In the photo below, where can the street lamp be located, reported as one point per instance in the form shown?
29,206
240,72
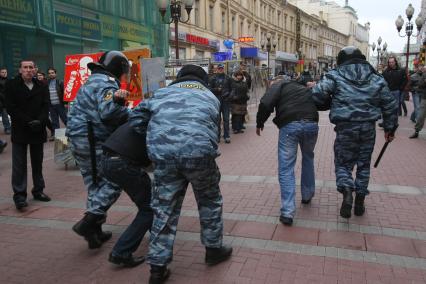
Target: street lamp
409,12
379,49
175,15
268,45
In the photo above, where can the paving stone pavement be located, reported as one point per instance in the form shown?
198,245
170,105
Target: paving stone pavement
386,245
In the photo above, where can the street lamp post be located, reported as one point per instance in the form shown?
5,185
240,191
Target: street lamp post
269,45
409,12
175,15
380,51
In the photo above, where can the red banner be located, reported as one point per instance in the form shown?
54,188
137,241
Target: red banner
77,73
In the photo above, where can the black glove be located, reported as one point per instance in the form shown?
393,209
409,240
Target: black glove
35,125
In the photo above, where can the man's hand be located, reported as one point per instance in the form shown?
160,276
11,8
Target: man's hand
258,130
120,96
310,84
389,136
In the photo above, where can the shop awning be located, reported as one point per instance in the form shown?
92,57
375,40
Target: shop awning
285,56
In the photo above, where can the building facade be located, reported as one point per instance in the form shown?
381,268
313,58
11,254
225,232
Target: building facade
48,30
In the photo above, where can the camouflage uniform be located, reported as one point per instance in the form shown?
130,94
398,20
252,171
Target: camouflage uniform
182,135
95,102
359,97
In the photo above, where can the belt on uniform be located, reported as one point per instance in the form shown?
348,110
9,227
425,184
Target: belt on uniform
308,120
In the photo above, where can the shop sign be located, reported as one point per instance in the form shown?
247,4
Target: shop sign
246,39
17,12
214,43
75,26
124,29
197,39
323,59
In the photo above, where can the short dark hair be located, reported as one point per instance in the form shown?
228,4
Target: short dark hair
238,73
26,60
3,68
51,68
40,72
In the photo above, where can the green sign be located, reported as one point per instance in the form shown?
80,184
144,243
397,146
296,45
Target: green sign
17,12
126,30
75,26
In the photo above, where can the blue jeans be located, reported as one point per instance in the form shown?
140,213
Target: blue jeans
137,184
224,112
56,112
416,104
296,133
399,97
5,120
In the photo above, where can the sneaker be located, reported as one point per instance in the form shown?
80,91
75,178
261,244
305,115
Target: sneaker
227,140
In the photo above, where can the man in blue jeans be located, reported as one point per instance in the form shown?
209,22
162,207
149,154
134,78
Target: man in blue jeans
396,79
297,120
123,160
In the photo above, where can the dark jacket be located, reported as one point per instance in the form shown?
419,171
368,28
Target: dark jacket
125,142
415,79
59,90
248,79
239,90
396,78
220,85
292,101
421,86
3,82
23,106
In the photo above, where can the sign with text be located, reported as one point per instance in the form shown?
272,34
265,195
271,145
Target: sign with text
18,12
75,26
246,39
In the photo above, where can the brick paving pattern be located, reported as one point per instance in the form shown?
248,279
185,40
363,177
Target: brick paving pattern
386,245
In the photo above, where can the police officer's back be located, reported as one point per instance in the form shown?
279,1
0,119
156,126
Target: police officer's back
359,96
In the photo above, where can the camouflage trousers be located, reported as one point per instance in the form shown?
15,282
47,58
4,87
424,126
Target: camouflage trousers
353,146
171,179
101,195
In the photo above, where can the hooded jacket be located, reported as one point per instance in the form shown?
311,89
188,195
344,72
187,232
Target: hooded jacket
358,94
180,122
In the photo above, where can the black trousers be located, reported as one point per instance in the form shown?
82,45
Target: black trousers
19,169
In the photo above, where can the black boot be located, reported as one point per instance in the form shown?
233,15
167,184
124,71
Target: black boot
88,228
345,210
359,207
159,274
414,135
102,235
217,255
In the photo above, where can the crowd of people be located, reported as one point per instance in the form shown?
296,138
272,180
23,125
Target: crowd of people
176,133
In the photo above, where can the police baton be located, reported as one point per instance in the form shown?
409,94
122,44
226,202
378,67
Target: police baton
384,148
92,151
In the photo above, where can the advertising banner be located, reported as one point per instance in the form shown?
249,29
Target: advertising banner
77,73
135,85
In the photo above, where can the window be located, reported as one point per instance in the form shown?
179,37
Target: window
255,8
197,12
242,28
285,44
182,53
199,54
279,19
291,23
223,23
211,17
249,29
285,21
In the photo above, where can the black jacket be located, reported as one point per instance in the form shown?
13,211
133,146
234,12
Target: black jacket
125,142
59,90
396,78
3,82
220,85
23,106
291,101
238,94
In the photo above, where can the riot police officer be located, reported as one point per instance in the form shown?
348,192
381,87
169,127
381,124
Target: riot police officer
359,95
98,110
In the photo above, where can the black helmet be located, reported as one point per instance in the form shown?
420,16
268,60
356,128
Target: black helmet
347,53
114,62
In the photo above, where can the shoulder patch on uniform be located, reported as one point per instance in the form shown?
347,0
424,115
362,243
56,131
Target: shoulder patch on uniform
191,86
111,79
108,95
